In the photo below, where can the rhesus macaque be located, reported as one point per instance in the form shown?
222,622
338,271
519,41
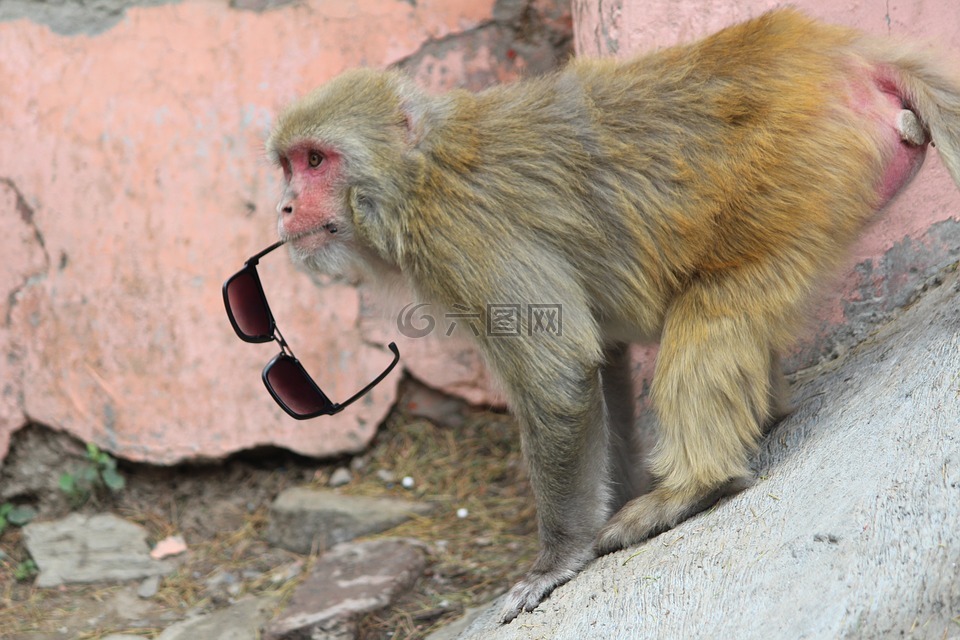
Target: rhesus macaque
697,196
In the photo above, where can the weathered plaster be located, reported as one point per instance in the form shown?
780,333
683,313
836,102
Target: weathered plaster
134,182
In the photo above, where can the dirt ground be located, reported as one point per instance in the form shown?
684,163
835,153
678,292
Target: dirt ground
222,509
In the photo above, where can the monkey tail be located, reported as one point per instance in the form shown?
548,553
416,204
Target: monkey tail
933,93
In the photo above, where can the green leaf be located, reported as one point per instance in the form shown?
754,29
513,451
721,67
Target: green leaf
25,570
68,483
113,480
89,476
5,508
106,461
93,451
21,515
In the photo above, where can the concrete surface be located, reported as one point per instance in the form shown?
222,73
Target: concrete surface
850,532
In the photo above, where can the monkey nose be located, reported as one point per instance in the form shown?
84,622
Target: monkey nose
285,209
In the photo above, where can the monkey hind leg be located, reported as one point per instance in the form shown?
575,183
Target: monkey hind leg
780,405
627,476
712,395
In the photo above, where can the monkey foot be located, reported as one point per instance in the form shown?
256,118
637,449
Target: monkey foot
537,585
910,129
657,511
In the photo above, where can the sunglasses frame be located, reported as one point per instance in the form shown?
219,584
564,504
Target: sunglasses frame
286,354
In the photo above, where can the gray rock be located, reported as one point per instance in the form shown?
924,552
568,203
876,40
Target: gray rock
241,621
455,628
302,519
346,582
149,587
850,532
99,548
340,477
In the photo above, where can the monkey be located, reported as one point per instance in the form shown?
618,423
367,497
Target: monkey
697,196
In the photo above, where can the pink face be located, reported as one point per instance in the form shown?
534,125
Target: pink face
310,214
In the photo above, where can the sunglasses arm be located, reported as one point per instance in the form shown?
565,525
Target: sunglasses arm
254,260
359,394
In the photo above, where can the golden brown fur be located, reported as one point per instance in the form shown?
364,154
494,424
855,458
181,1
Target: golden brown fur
695,196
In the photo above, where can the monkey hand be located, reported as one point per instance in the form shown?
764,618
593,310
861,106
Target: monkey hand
541,580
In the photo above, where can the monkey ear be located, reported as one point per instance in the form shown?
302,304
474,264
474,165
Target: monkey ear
417,109
370,221
414,116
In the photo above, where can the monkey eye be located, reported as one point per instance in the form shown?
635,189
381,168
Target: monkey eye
315,158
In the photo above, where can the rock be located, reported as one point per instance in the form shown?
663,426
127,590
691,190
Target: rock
149,587
850,531
97,548
169,546
386,476
240,621
420,400
453,630
340,477
302,519
346,582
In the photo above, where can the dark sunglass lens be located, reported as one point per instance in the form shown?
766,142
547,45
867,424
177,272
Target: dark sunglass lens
248,305
290,382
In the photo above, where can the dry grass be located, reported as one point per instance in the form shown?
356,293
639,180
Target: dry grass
222,512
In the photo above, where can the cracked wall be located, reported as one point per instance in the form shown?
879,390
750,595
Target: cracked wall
133,182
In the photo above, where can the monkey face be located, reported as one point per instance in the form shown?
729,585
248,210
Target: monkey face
312,216
309,214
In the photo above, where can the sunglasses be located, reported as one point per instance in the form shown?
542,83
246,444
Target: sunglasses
285,378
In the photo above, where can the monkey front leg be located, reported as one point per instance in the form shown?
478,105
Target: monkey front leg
564,436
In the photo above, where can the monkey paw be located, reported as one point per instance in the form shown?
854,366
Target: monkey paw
529,592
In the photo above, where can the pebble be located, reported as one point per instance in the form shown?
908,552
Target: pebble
149,587
340,477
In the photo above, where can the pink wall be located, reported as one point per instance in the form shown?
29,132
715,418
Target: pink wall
133,182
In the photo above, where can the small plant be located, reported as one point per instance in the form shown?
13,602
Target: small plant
25,570
18,516
99,470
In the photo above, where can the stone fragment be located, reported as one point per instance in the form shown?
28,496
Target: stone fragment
169,546
79,549
340,477
453,630
149,587
241,621
438,407
346,582
302,519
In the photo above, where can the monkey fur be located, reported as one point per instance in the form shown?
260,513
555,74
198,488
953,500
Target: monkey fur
697,196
